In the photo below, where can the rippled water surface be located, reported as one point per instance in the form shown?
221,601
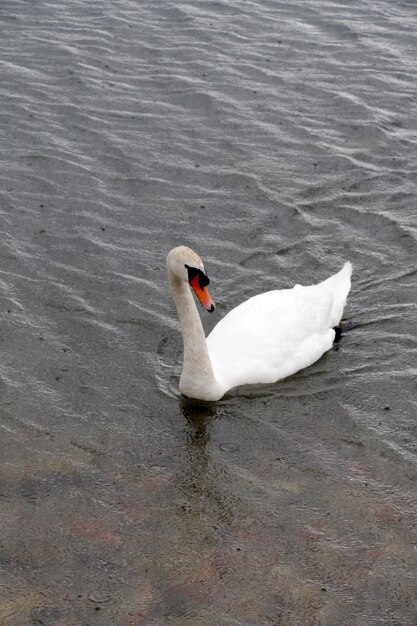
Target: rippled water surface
278,139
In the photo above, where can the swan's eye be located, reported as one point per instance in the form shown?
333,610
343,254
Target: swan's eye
203,279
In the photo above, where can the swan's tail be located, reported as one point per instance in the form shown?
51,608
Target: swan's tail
339,286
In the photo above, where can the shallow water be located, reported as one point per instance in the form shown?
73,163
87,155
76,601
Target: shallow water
278,139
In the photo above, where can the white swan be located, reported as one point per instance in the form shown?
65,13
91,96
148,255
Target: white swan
268,337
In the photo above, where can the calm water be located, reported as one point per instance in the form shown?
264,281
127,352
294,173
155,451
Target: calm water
278,139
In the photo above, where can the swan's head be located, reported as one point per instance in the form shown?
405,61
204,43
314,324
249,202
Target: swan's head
186,265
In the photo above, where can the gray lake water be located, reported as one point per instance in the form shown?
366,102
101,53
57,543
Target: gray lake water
278,139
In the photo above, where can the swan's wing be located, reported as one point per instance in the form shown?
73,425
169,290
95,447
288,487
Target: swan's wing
272,335
339,287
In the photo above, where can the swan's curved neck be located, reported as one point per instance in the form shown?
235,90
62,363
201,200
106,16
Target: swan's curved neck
197,377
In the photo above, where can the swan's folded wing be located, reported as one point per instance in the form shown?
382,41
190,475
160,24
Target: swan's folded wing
339,287
272,335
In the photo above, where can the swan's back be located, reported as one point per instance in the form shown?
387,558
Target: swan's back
274,334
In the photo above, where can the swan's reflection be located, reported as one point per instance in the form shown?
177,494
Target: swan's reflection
199,417
204,478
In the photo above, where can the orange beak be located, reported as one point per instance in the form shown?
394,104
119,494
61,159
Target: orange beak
202,294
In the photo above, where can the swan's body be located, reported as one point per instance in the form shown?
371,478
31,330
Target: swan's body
264,339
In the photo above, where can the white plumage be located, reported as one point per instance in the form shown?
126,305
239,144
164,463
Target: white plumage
264,339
